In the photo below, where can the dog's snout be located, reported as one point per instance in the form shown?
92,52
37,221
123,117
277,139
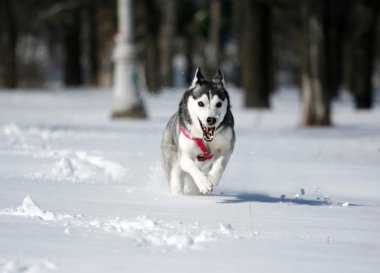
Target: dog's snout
211,120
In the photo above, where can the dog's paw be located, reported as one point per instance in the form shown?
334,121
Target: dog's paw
204,185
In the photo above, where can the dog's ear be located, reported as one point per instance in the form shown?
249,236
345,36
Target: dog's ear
198,74
219,77
198,78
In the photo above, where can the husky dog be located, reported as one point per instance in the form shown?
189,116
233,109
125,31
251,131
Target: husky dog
199,138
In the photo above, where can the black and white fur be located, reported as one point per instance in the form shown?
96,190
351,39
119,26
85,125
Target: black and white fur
204,112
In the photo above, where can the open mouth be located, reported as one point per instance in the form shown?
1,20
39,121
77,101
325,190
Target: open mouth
208,132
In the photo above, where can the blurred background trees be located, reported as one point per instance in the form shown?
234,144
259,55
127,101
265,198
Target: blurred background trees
321,46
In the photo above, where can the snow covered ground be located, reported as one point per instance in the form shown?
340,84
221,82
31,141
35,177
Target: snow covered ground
82,193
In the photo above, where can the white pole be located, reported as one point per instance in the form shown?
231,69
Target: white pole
126,100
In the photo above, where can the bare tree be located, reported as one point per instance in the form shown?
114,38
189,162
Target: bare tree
256,53
105,31
127,102
150,43
167,31
213,54
8,52
315,92
72,49
335,21
90,44
363,51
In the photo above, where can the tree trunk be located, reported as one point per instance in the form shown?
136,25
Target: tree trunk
365,14
237,26
151,58
256,46
214,36
105,32
93,47
168,21
315,92
335,26
126,101
89,45
72,51
9,51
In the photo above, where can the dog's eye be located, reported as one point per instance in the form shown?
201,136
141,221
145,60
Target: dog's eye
219,104
201,104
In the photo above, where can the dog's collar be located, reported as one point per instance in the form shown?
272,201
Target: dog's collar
206,153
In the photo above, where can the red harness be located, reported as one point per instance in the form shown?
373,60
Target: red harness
206,154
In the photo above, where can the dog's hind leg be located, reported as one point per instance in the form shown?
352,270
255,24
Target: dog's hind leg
176,180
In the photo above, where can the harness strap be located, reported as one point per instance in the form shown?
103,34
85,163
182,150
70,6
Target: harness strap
206,154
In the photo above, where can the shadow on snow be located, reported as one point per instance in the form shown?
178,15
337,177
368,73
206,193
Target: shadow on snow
264,198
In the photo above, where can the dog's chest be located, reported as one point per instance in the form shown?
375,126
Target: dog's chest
217,147
221,143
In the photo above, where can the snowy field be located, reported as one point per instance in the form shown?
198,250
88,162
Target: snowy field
82,193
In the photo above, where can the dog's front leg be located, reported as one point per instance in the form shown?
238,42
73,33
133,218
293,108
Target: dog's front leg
202,182
217,169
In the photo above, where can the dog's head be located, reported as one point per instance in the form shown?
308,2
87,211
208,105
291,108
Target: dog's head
208,103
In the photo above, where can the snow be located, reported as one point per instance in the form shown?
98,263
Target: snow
83,193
